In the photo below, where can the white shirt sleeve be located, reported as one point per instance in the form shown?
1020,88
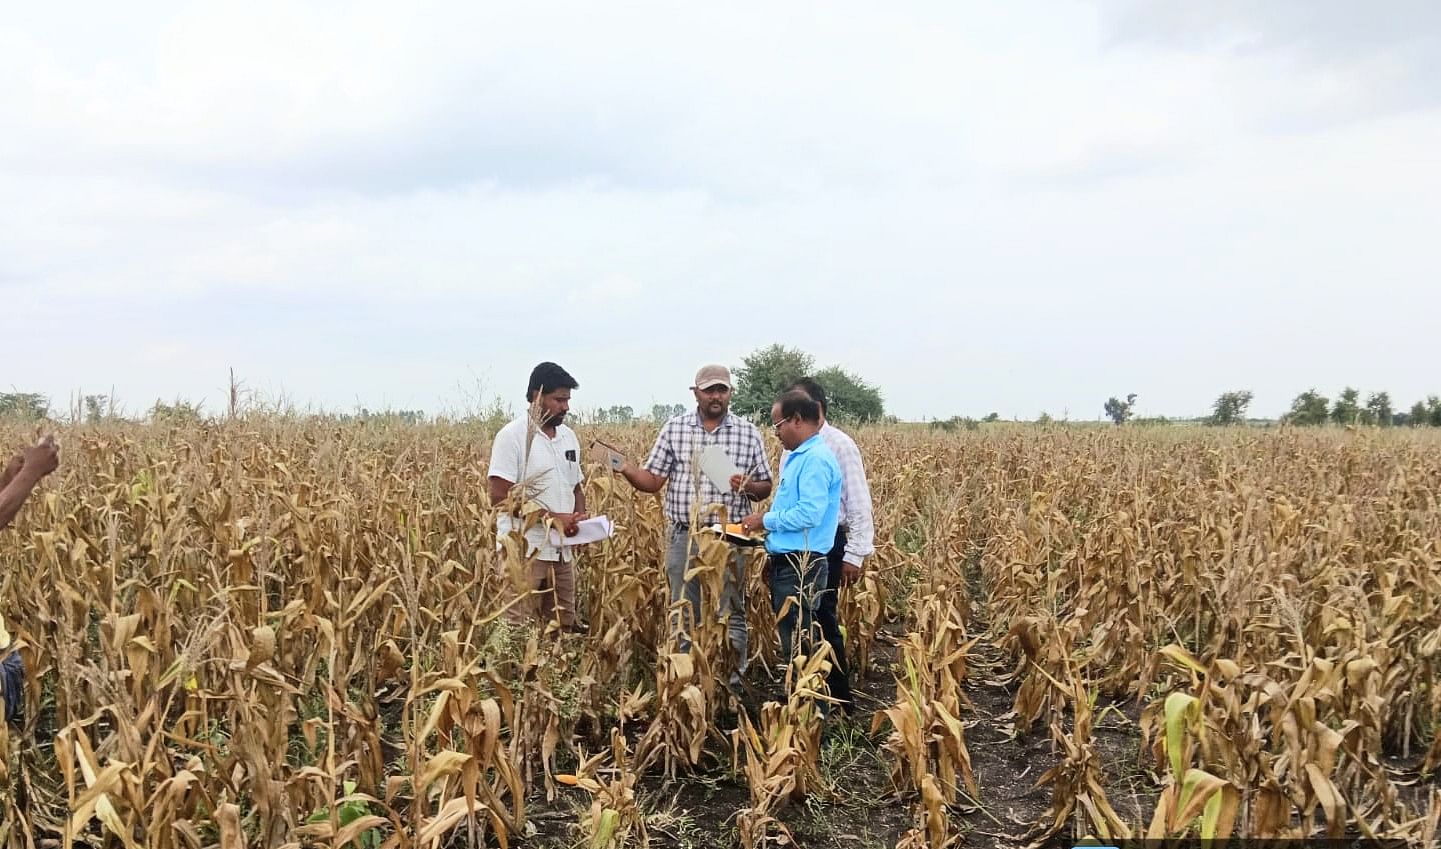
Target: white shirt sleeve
860,523
507,455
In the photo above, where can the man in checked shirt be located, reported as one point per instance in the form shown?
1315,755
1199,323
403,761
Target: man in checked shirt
855,538
672,465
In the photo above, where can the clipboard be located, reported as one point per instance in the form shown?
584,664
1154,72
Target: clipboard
733,534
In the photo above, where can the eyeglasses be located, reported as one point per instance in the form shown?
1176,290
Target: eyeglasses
777,425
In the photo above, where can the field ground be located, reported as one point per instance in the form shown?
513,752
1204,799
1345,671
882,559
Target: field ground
272,632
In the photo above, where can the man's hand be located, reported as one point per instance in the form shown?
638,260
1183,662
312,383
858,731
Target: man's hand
569,522
753,522
42,459
738,482
850,573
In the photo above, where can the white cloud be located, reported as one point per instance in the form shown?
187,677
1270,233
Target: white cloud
353,204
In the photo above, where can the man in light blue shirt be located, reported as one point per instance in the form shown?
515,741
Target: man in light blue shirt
801,524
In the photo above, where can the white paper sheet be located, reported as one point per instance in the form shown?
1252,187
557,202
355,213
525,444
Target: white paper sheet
594,529
716,465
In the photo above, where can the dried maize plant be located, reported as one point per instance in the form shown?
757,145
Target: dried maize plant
680,722
1284,750
1078,785
1191,796
614,819
712,565
549,702
14,815
863,608
945,549
1023,564
927,740
861,611
623,583
461,774
1217,732
760,618
242,622
1045,652
1111,601
103,795
929,690
1405,628
932,829
781,760
688,683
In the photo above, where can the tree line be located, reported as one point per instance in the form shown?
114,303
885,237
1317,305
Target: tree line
762,375
1310,408
765,372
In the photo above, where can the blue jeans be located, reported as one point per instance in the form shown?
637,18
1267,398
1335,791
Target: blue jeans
798,576
678,553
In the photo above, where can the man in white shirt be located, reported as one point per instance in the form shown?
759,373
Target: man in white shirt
855,538
541,454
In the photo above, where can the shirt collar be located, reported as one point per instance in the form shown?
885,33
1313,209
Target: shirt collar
805,446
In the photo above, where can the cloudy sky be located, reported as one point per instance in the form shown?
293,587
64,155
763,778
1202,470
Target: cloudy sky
977,206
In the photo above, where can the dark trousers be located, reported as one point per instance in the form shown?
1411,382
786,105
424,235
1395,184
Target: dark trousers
12,685
839,680
798,583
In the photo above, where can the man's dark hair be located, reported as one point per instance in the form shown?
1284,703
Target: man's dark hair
809,386
796,403
548,377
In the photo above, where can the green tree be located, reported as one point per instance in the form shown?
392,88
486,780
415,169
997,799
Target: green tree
185,412
992,417
1309,408
1347,408
764,374
1433,411
95,408
1378,410
660,412
1230,408
1418,415
24,405
1119,411
849,398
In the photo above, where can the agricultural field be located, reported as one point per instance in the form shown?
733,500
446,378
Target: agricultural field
270,632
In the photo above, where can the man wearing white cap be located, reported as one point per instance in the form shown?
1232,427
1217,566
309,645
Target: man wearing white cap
672,464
